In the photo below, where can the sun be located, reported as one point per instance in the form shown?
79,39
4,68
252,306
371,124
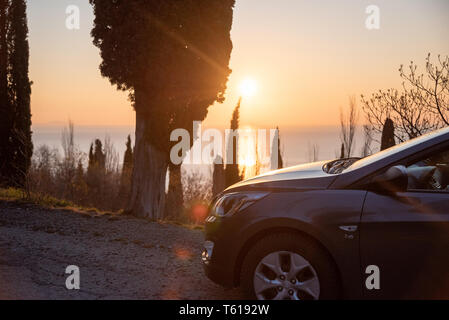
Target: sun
248,88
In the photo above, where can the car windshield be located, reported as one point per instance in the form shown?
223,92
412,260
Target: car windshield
397,148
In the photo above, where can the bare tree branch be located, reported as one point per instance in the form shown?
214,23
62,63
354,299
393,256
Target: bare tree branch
421,106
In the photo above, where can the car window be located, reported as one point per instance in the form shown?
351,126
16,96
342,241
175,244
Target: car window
430,173
390,151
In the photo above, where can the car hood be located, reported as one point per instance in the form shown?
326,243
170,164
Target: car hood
304,176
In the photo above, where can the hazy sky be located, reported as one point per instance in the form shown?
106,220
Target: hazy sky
307,58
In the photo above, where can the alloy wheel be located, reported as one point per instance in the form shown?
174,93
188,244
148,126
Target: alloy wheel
284,275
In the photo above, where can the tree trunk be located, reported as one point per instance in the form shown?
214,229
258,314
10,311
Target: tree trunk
175,199
147,199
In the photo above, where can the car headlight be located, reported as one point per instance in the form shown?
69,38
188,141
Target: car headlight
231,203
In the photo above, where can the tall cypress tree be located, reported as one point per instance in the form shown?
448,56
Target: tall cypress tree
16,145
128,157
280,161
172,56
96,170
21,90
218,178
99,155
232,173
91,156
387,139
125,180
5,103
342,151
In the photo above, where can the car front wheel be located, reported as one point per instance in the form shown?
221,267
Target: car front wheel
288,267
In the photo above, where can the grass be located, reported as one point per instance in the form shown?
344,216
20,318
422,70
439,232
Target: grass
46,201
13,194
18,195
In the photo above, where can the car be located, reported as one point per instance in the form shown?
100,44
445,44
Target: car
371,228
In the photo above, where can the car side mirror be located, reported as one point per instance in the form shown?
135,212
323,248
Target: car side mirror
395,179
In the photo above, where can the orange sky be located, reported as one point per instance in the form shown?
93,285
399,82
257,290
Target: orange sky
307,58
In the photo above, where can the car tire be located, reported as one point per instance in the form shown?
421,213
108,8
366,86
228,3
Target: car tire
322,265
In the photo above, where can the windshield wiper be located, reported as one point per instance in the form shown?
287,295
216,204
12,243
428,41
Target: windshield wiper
337,166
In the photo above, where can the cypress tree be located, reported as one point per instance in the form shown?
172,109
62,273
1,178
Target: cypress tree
218,178
91,156
342,151
96,170
277,151
5,103
21,91
173,59
125,179
232,173
128,157
387,139
16,145
99,156
280,160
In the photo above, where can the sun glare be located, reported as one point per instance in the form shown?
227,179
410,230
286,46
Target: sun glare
247,151
248,88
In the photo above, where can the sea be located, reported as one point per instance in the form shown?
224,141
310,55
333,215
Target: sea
297,144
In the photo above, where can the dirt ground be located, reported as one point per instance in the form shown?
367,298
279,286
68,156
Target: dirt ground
119,257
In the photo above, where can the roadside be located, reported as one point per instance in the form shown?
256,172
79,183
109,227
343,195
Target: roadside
119,257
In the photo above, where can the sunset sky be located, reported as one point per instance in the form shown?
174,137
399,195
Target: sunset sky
305,57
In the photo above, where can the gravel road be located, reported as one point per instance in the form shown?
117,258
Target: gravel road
119,257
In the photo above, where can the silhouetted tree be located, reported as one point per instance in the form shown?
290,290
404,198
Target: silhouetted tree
126,174
20,91
16,145
96,169
420,106
218,177
280,162
6,110
173,58
387,139
232,172
99,155
128,157
368,134
4,6
342,151
91,156
348,126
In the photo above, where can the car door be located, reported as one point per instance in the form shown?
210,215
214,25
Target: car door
406,235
